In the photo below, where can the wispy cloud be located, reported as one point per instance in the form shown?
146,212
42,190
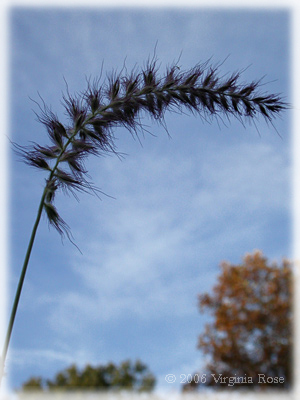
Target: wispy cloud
149,255
38,357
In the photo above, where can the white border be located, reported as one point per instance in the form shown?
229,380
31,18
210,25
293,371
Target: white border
293,6
3,171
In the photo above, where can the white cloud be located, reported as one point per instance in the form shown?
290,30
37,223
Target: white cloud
145,255
45,359
26,357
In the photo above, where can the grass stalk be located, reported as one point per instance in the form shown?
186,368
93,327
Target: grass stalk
20,285
26,261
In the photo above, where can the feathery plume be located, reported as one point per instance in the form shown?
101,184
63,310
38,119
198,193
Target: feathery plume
121,100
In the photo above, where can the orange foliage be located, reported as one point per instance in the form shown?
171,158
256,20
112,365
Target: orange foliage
251,333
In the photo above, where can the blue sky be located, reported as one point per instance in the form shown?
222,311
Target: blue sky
181,205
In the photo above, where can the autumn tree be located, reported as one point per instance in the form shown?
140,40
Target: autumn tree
127,376
249,342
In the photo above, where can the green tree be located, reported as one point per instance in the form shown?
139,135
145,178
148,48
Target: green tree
250,337
120,101
127,376
34,383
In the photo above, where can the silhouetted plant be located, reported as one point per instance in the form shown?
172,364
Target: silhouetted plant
119,101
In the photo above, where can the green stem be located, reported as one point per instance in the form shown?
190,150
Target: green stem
26,260
27,256
20,285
